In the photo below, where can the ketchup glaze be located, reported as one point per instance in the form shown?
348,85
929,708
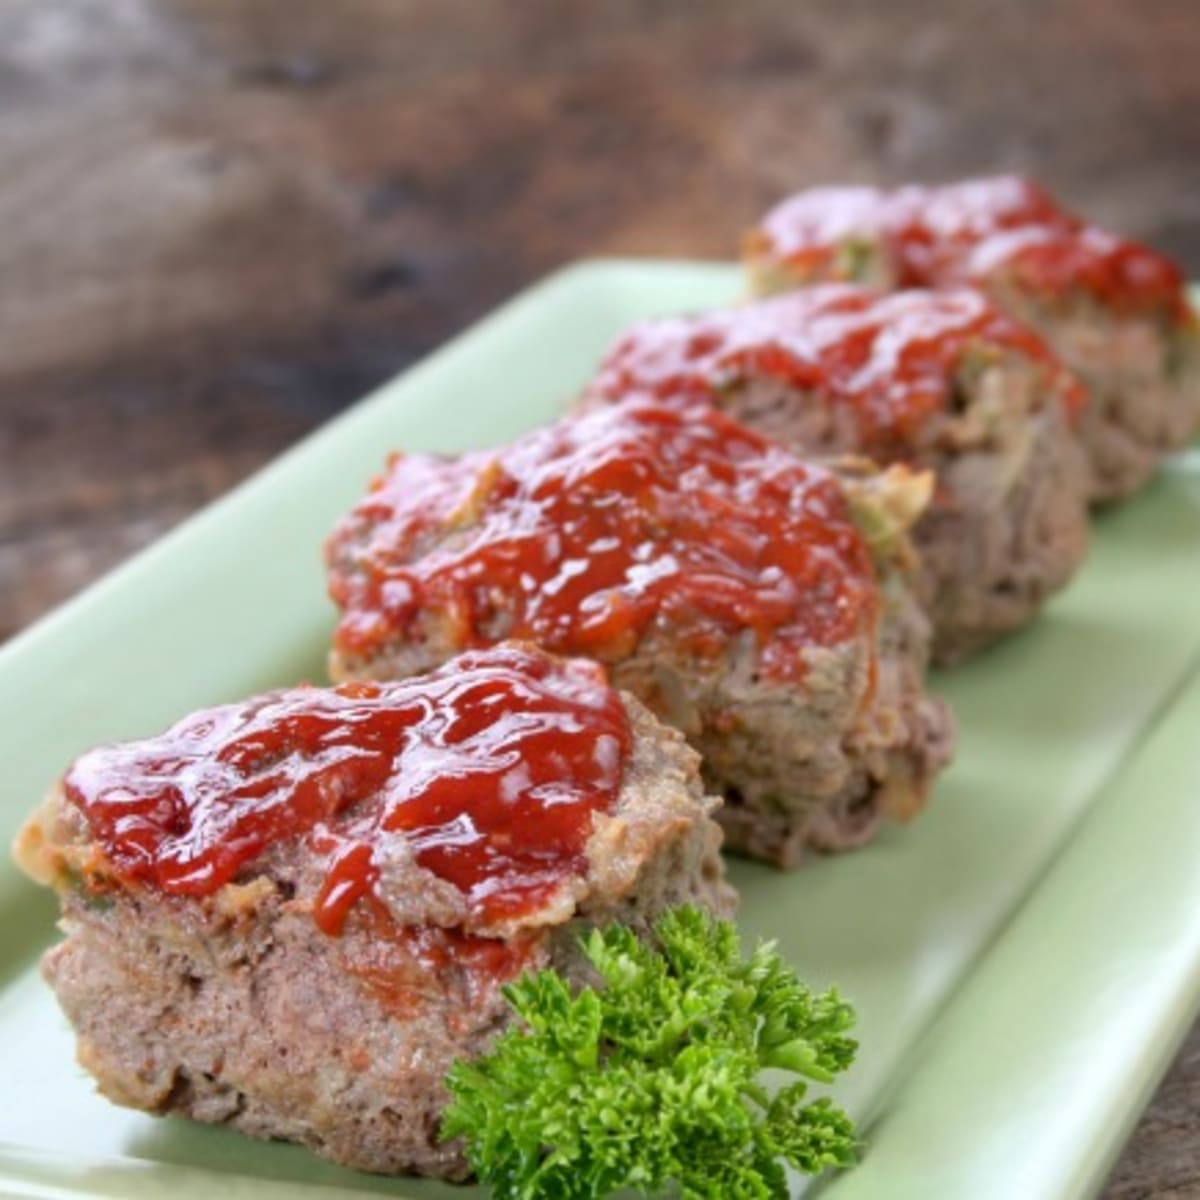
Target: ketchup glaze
608,527
491,768
965,233
891,359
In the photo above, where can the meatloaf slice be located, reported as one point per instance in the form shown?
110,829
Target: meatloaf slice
1116,311
939,381
721,580
290,916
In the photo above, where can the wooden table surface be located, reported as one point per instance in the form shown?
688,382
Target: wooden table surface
225,220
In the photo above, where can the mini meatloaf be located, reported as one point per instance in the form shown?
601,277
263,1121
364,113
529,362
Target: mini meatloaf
721,580
942,381
1114,310
290,916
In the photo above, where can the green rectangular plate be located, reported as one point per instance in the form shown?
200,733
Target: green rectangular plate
1025,957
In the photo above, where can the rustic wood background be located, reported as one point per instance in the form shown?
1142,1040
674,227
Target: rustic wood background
224,220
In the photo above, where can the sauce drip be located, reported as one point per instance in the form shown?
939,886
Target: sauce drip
892,359
408,967
966,232
491,769
602,529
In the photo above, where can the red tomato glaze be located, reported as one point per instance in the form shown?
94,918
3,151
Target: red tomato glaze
491,767
967,232
892,358
602,529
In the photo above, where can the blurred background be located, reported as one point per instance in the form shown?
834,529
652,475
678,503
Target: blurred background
225,220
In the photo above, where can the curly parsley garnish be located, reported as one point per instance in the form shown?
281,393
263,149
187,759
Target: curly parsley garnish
654,1077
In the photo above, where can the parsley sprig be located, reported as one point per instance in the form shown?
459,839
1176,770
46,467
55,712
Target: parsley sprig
655,1076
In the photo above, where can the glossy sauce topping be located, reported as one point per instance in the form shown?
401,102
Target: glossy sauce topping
891,358
965,233
491,769
603,529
